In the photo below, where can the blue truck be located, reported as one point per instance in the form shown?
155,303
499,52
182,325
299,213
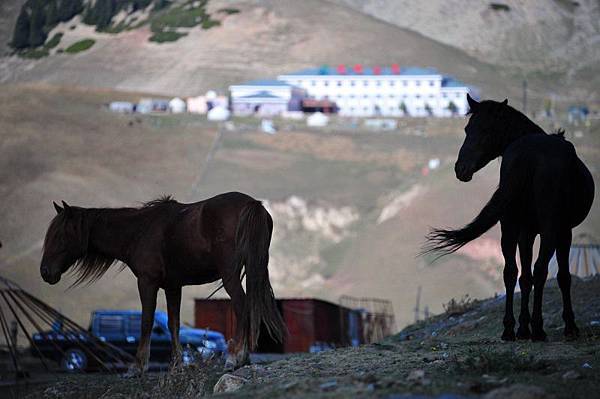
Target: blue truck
122,328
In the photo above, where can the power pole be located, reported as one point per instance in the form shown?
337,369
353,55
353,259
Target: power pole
418,304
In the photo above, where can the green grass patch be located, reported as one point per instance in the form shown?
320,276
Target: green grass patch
50,44
162,37
164,23
34,53
80,46
210,23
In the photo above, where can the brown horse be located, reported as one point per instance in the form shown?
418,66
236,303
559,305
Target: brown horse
167,245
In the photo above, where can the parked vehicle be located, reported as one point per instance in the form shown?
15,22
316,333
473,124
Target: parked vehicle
122,328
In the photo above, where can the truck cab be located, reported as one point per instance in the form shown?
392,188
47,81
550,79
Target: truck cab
122,328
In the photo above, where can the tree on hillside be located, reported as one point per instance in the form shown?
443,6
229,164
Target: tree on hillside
51,15
21,34
68,9
37,34
100,14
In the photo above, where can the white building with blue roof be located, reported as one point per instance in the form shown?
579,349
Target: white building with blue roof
265,97
383,91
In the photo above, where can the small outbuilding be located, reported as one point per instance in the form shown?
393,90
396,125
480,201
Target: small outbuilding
177,106
218,114
318,119
124,107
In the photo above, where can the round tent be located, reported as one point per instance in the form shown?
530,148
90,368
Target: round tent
584,258
177,105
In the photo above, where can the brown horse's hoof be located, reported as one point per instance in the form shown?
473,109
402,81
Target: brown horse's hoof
523,333
508,335
132,372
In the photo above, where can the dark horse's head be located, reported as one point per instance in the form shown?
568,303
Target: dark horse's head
65,242
483,141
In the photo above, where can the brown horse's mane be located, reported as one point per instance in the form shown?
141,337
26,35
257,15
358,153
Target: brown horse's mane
91,266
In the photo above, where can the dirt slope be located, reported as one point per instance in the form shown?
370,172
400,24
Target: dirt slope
531,35
456,354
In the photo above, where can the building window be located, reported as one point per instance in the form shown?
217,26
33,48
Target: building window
444,95
405,83
326,83
379,83
313,83
365,96
391,82
366,82
431,83
457,95
418,96
418,83
339,82
352,83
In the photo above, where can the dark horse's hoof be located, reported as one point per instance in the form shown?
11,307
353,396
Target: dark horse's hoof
571,332
508,335
539,336
523,333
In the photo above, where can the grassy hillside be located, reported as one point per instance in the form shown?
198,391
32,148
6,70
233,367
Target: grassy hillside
263,39
326,189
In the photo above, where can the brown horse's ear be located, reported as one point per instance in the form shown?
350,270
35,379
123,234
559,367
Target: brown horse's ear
505,102
473,104
65,205
57,207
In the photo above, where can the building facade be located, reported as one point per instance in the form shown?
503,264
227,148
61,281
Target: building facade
265,97
383,91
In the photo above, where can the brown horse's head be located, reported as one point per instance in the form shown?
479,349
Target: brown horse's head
484,137
65,242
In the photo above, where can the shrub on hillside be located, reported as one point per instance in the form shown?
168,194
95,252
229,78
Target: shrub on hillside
80,46
169,36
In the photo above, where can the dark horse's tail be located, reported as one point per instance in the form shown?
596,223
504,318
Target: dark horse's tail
253,238
447,241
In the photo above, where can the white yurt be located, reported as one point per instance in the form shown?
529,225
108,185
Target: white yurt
318,119
177,106
218,114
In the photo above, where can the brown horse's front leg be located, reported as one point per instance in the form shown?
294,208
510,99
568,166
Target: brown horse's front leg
173,296
148,291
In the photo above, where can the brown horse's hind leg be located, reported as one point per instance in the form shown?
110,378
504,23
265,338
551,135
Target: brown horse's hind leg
238,349
526,283
564,282
148,293
540,273
509,251
173,296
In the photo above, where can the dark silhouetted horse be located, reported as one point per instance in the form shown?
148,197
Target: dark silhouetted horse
167,245
544,189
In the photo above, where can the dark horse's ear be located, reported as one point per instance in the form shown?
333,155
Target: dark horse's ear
65,205
57,207
505,102
473,104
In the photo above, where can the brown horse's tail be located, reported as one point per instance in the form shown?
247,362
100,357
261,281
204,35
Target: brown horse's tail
253,237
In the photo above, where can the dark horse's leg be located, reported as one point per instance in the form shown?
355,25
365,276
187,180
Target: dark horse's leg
540,273
526,240
148,291
173,296
509,251
564,282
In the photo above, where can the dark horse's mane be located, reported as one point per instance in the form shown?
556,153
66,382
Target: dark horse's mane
92,265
